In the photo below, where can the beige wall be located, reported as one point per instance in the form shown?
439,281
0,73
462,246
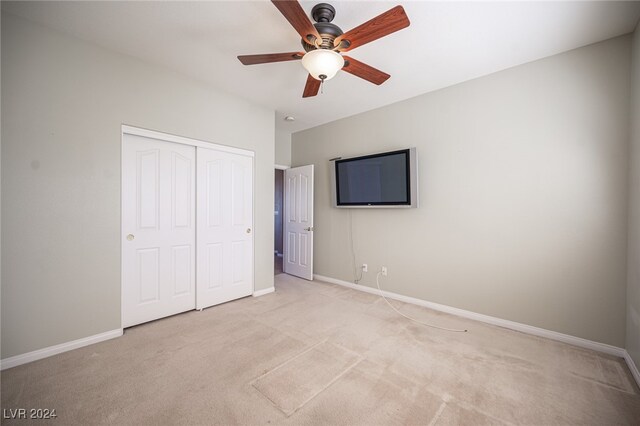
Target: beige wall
633,283
283,147
523,194
63,103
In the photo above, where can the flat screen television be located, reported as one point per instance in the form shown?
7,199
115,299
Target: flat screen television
383,180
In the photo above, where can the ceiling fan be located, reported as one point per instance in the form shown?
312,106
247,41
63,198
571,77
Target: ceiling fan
324,43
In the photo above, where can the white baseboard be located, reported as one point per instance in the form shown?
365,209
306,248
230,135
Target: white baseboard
633,367
264,291
536,331
14,361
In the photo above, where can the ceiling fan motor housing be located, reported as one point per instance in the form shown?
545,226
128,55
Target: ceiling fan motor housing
323,14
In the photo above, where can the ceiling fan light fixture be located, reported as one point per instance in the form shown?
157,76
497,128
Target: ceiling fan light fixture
322,64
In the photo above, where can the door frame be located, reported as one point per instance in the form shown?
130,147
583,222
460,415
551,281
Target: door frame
126,129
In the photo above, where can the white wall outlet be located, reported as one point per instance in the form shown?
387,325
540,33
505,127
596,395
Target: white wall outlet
384,271
365,267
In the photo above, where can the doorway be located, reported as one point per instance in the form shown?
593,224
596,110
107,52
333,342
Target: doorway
293,216
278,248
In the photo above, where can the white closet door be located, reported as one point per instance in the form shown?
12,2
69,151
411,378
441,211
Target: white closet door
158,226
298,222
225,227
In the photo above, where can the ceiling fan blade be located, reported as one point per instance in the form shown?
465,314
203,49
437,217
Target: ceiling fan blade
311,88
297,17
364,71
269,57
382,25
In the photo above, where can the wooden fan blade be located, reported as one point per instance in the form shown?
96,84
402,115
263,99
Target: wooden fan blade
311,88
364,71
382,25
297,17
270,57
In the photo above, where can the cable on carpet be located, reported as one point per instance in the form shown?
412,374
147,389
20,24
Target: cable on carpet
455,330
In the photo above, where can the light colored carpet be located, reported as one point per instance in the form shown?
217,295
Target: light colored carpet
316,353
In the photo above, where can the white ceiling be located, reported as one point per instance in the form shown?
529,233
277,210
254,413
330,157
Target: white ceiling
446,43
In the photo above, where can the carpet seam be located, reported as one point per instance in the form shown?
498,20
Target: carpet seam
359,359
436,417
252,382
338,377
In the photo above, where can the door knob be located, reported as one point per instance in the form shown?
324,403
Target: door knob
248,230
130,237
309,229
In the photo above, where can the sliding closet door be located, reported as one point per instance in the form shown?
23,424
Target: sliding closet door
158,227
225,227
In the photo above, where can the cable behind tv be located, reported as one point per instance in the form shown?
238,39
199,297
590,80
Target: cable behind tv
356,278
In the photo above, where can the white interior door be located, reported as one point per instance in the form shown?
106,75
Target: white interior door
298,222
158,226
225,227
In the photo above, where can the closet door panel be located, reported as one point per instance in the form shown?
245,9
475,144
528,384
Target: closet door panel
225,227
158,229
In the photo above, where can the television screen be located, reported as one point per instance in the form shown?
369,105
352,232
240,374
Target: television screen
375,180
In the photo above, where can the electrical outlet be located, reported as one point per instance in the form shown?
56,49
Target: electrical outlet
365,267
384,271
